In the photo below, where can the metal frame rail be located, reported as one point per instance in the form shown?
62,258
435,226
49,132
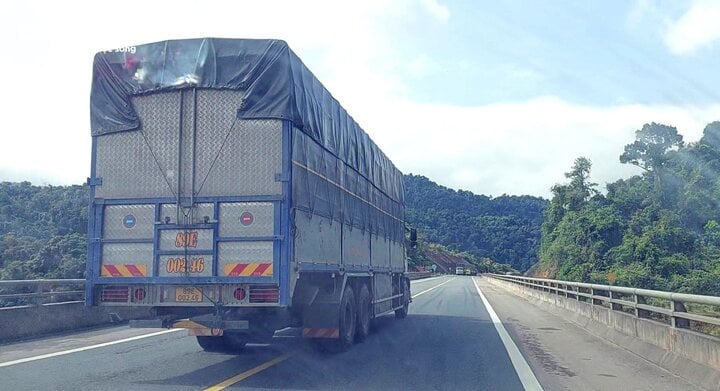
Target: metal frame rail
40,292
640,302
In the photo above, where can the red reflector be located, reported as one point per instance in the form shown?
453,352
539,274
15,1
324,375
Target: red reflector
139,294
264,294
115,294
239,294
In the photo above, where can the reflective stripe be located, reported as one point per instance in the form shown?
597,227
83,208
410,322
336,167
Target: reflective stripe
249,269
321,333
124,271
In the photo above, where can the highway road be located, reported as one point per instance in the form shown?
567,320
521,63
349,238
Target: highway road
452,339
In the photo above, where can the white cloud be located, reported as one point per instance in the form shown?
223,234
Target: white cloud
698,28
519,147
437,10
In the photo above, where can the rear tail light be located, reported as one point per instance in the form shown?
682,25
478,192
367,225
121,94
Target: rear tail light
115,294
264,294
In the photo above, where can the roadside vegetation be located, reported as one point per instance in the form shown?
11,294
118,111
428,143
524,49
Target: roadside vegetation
657,230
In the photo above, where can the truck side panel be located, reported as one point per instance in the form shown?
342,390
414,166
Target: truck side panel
341,219
356,248
317,239
380,254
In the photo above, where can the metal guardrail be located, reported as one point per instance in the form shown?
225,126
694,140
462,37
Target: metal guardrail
669,307
18,293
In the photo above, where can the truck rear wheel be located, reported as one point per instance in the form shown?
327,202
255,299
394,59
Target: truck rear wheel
347,326
363,314
234,342
228,343
211,344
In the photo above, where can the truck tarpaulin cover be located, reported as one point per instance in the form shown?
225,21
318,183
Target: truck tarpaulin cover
275,83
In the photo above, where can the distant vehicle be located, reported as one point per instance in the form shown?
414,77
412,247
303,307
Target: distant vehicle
470,272
234,196
459,271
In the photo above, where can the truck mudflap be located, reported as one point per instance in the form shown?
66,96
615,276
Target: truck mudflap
321,321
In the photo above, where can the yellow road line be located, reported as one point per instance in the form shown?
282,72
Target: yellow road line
248,373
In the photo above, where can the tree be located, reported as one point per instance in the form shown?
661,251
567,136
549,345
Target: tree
651,145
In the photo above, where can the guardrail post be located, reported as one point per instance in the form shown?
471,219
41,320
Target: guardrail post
677,306
614,306
640,313
39,299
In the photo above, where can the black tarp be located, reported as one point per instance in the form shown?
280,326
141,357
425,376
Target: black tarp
275,83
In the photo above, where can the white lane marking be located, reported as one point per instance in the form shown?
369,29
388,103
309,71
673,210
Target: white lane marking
64,352
426,279
526,375
428,290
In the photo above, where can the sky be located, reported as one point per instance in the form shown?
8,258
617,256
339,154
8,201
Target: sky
494,97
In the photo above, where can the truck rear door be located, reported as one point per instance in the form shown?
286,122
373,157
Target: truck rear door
192,197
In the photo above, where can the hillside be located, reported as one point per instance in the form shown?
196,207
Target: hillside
42,231
658,230
505,229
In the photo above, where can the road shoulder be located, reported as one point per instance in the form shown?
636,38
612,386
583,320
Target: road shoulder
564,356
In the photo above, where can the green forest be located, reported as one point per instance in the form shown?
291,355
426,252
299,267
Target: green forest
505,229
658,230
42,231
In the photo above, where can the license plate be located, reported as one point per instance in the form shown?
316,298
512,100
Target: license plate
188,294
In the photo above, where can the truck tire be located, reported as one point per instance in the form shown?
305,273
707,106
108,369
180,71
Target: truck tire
211,344
363,314
402,312
346,325
228,343
234,342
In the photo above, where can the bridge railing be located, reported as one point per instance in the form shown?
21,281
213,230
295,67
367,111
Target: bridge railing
678,310
19,293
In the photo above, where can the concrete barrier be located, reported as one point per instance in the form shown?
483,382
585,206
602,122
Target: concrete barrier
24,322
685,353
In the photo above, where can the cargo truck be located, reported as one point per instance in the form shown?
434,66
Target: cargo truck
234,196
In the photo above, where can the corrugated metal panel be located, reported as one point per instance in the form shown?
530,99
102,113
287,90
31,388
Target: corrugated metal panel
246,219
142,163
186,161
199,212
233,253
235,157
128,254
118,219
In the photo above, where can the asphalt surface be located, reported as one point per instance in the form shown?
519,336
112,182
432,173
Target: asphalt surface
447,342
